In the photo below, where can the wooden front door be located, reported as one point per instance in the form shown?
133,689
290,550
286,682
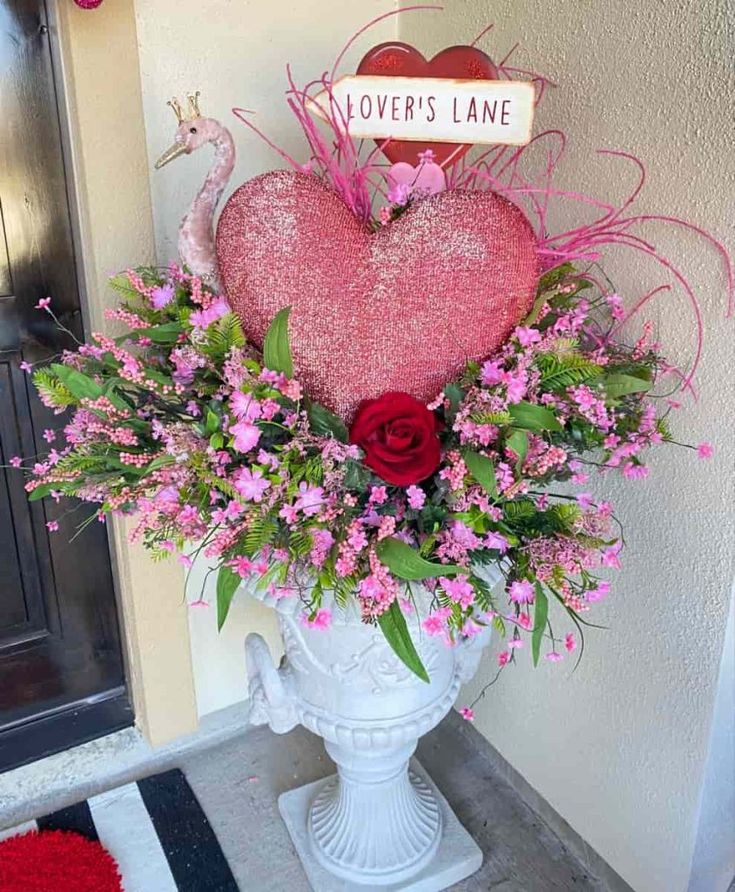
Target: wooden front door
61,670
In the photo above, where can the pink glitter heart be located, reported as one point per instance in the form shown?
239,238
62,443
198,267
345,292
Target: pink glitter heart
424,179
403,308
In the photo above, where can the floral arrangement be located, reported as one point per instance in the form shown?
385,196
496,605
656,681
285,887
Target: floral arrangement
213,444
216,448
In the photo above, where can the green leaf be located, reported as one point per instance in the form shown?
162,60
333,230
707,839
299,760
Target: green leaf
518,442
406,563
276,349
533,418
483,470
79,385
393,626
356,475
212,422
617,385
227,584
42,491
167,333
539,621
325,423
455,394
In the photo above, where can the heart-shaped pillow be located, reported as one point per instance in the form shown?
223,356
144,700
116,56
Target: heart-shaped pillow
403,308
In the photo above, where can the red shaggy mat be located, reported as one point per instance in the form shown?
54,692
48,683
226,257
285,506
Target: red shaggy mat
54,860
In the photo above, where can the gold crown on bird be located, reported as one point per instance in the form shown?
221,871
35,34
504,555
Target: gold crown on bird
193,111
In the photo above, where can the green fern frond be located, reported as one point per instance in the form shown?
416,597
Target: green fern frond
225,334
499,418
52,391
261,532
560,371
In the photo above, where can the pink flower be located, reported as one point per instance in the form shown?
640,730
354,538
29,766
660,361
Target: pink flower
251,484
436,622
554,657
496,542
585,500
398,194
467,713
503,658
245,406
52,526
289,514
416,497
615,302
458,589
204,318
570,642
527,336
162,296
426,157
16,461
705,450
246,436
609,556
242,565
634,471
514,643
26,367
521,591
186,561
491,373
600,592
322,619
49,435
44,303
309,499
470,629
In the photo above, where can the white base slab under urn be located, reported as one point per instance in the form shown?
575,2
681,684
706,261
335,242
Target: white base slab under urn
375,824
457,856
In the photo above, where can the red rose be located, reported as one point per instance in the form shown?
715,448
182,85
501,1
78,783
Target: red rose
398,435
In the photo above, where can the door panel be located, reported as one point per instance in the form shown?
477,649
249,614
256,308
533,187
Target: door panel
60,654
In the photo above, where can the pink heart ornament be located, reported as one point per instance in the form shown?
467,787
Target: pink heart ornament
421,181
403,308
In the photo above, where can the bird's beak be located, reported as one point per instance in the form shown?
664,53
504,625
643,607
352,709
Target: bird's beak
173,151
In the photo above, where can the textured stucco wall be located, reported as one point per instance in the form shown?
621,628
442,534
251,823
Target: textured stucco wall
619,747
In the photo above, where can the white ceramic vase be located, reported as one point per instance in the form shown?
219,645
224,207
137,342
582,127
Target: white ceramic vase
377,822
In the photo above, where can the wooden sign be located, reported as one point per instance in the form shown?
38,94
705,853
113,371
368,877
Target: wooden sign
430,109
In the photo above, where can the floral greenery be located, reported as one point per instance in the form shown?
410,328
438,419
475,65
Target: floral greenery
207,441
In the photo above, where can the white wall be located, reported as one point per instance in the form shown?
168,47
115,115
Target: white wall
619,748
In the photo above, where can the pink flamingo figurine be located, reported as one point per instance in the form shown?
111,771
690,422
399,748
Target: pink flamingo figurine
196,233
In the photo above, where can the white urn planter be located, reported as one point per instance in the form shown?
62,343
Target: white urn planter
379,822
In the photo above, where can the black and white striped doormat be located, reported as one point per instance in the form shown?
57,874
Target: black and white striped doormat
156,831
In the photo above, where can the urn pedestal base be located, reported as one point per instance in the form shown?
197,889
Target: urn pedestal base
456,856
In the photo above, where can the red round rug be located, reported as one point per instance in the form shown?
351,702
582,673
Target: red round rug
55,860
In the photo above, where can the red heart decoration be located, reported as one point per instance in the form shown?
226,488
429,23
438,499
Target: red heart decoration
402,308
396,59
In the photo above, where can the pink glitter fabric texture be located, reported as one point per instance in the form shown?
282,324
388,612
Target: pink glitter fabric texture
403,308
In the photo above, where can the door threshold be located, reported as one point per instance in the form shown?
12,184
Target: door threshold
60,780
60,729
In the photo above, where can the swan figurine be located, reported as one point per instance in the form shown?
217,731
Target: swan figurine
196,233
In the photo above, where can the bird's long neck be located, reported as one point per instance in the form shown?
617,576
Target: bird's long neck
196,235
207,199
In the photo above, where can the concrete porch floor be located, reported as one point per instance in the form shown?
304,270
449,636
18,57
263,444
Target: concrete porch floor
238,774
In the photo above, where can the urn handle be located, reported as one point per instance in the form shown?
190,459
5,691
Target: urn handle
270,701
